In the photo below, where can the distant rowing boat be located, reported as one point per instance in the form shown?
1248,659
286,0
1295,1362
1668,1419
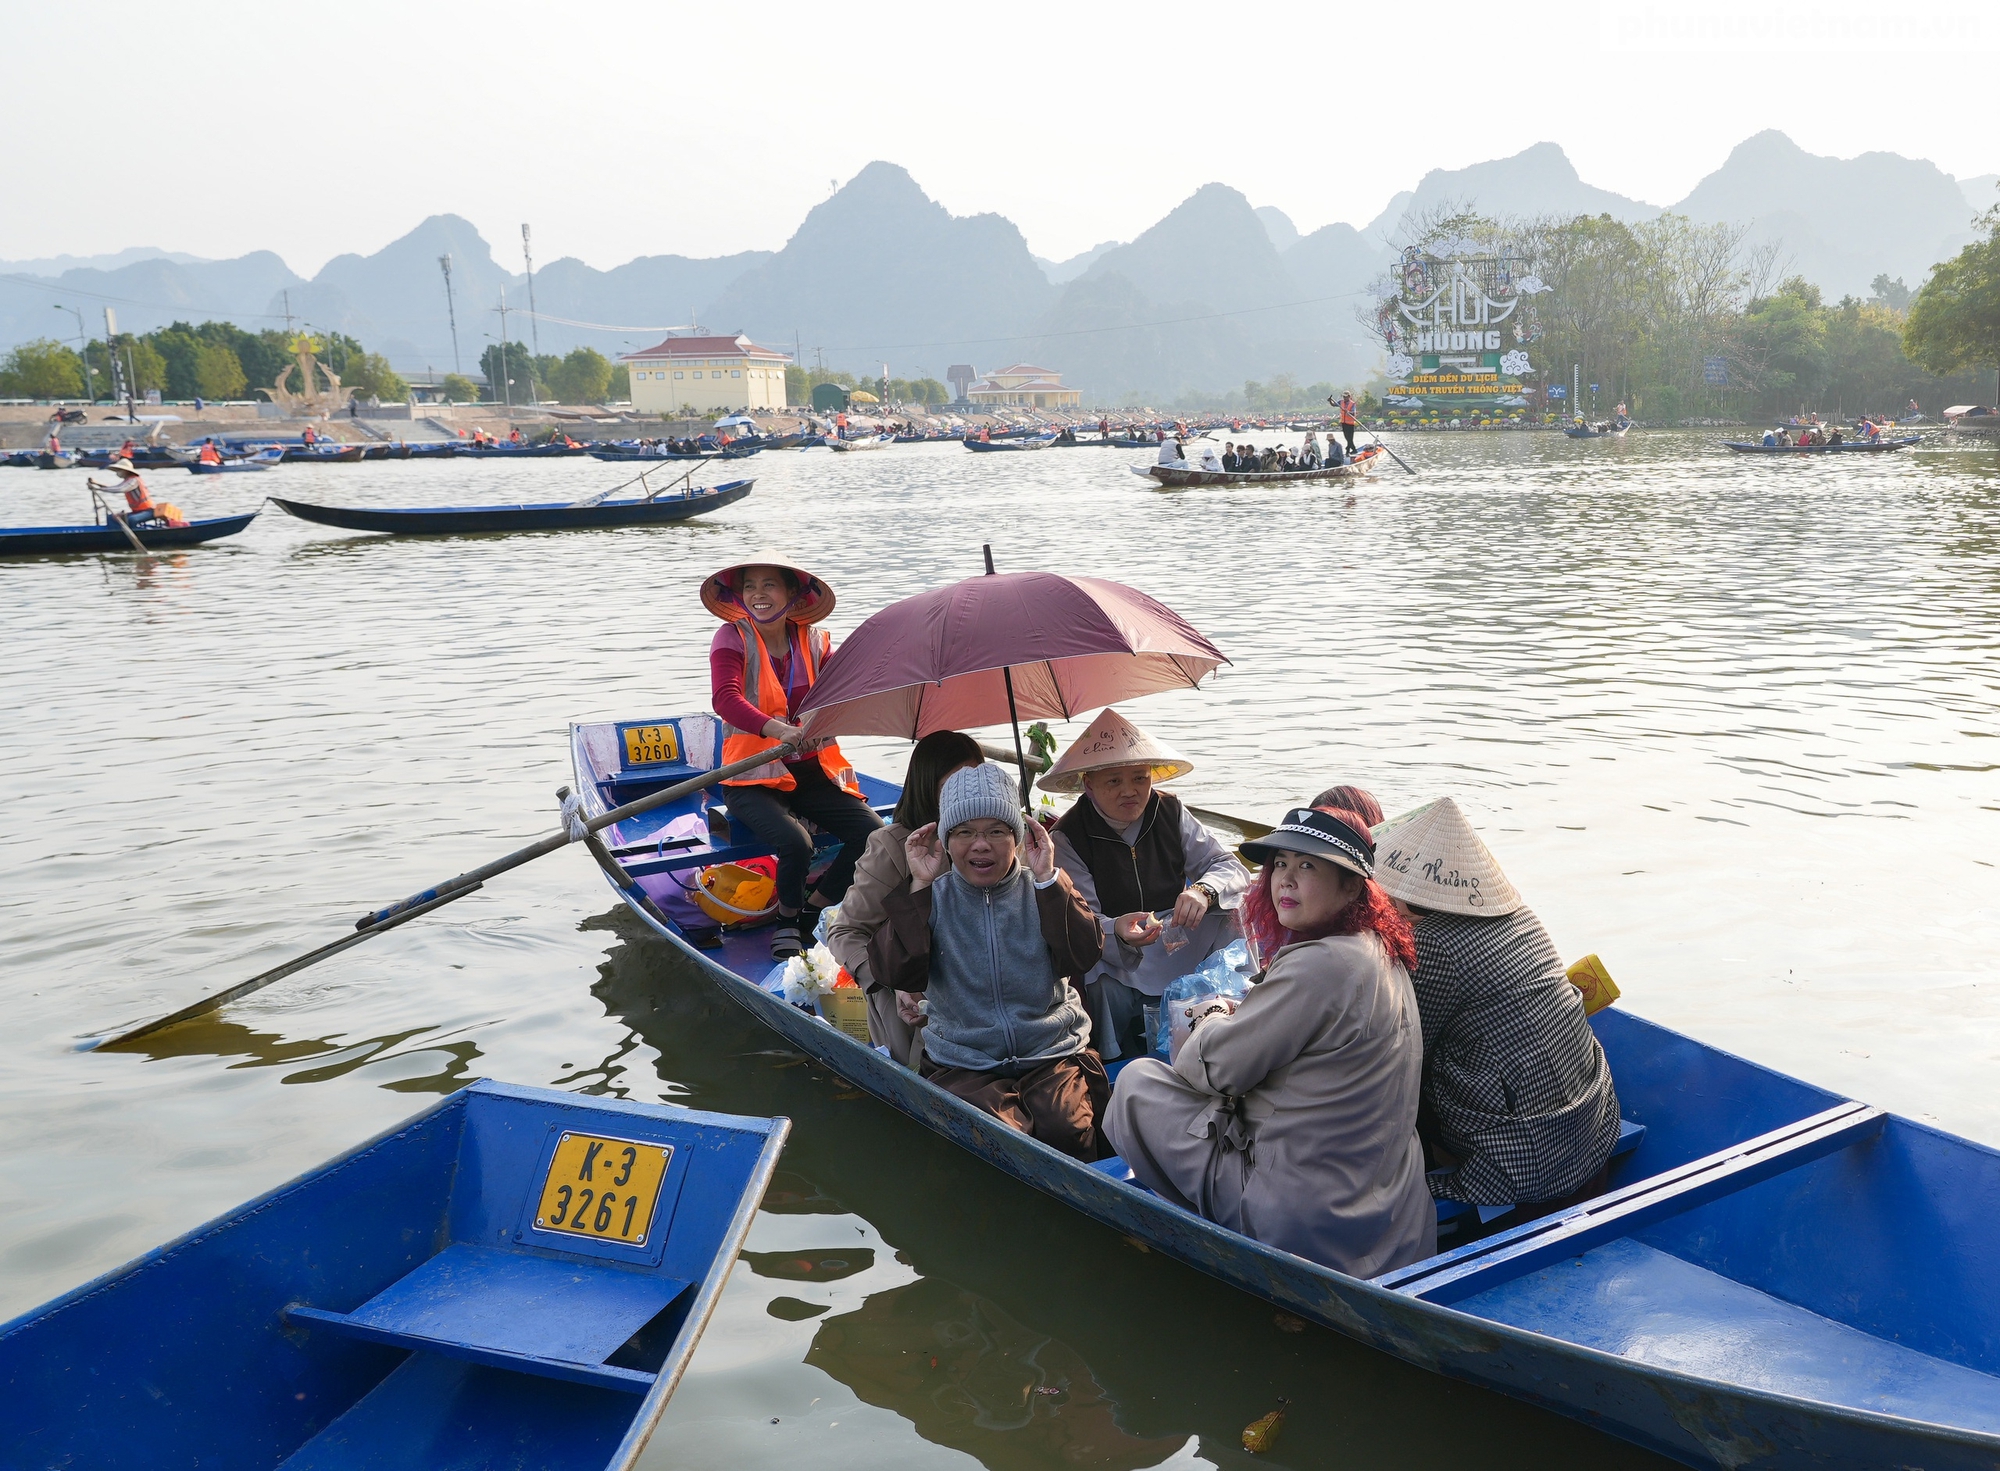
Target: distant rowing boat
1610,429
867,441
1851,446
985,447
622,452
341,454
263,460
535,516
1185,475
21,541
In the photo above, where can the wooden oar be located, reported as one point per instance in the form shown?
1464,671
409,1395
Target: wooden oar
116,517
465,883
1387,451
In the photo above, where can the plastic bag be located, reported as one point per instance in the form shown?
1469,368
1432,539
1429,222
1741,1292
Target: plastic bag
801,979
1225,973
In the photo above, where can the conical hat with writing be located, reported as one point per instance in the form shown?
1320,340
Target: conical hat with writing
1112,740
1432,859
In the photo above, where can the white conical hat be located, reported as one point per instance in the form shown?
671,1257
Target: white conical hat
1433,859
1112,740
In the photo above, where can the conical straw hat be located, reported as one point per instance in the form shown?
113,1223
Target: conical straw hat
1432,858
1112,740
718,591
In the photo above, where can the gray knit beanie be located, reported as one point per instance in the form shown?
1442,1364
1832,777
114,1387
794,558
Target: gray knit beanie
985,790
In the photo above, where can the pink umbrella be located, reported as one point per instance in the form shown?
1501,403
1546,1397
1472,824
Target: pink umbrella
1000,647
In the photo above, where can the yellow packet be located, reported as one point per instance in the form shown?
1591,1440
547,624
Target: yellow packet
1589,976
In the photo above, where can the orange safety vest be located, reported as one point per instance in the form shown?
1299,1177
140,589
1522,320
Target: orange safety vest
136,498
763,688
210,455
1347,411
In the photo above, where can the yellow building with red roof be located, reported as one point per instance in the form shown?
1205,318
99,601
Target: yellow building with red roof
707,374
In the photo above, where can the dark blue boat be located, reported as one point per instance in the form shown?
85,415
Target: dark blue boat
17,541
533,516
518,451
635,452
516,1277
1777,1277
1845,447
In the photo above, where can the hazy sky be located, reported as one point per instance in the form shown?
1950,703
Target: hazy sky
619,130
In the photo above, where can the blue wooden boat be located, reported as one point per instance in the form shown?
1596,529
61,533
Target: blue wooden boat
1777,1277
262,460
516,1277
636,452
326,454
20,541
994,446
518,451
1845,447
532,516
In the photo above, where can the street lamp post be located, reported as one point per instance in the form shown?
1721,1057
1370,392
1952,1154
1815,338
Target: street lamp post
82,351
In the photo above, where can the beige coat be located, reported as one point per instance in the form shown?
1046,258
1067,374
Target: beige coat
1294,1121
884,867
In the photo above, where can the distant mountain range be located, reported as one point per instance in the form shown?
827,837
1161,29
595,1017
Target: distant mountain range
1216,292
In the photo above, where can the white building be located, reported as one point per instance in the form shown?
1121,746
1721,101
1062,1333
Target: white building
706,375
1025,386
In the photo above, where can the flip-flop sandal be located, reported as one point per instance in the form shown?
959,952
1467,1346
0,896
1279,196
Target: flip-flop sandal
785,940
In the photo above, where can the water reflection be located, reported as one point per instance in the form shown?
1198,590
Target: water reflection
967,1375
449,1062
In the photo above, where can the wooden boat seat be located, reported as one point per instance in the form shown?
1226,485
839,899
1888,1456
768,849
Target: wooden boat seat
559,1318
1631,1299
1453,1276
1454,1212
1629,1137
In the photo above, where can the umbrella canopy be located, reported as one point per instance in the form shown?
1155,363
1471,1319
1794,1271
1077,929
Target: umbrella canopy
935,661
734,419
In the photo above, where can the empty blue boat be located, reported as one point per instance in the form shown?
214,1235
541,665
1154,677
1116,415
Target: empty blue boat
1777,1277
661,510
515,1278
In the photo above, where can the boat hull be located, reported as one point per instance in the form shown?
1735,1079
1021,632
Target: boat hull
1694,1100
39,540
996,446
1846,448
548,516
328,1323
1362,464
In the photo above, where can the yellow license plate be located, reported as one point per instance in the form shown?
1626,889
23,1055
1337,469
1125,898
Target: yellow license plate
648,745
604,1189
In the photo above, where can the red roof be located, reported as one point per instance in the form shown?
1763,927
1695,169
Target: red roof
703,347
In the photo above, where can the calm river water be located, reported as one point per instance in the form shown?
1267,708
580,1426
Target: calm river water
1732,725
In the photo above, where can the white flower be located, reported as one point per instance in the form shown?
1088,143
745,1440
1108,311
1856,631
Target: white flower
1514,364
1401,364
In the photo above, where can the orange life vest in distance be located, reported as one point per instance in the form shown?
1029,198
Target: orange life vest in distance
763,688
136,498
1346,410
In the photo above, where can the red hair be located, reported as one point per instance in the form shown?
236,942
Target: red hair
1371,912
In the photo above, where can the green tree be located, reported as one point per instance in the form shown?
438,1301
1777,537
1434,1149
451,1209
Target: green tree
518,367
1954,323
1893,294
369,374
927,391
583,377
42,369
1784,335
798,385
458,389
619,390
217,373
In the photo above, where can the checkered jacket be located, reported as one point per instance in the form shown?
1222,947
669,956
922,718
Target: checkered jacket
1516,1086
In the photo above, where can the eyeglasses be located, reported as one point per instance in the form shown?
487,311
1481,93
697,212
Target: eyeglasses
992,832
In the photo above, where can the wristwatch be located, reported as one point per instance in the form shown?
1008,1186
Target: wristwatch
1213,898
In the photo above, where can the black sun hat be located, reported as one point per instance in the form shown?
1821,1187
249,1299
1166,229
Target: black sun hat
1321,834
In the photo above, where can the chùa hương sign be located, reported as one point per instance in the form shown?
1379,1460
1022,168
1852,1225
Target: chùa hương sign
1457,322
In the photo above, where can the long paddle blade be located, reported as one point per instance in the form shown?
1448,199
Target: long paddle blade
578,830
